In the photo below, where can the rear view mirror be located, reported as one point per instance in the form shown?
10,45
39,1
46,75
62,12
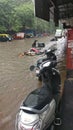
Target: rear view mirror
32,67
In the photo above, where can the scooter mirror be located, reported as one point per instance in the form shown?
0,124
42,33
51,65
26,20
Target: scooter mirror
32,67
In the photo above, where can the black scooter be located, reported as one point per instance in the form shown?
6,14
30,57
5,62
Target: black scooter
49,55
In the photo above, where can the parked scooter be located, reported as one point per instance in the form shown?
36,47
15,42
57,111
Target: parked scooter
49,55
37,112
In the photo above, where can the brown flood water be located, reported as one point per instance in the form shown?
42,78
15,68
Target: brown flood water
16,80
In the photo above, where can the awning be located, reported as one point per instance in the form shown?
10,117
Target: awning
56,9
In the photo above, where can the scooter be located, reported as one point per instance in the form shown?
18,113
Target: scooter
49,55
37,111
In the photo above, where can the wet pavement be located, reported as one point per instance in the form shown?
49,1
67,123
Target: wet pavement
16,80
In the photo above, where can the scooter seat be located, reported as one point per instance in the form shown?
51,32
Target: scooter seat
38,98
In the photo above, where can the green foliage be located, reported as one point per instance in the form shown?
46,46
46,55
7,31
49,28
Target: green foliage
17,15
24,14
6,13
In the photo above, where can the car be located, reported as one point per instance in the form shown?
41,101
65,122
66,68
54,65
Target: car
5,37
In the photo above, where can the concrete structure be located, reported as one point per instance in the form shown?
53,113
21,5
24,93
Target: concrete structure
61,10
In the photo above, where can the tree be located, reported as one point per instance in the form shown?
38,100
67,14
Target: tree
6,13
17,15
24,14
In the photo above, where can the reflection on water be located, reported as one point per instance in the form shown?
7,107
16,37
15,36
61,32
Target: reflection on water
16,80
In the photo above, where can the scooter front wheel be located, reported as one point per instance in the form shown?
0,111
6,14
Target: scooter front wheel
52,127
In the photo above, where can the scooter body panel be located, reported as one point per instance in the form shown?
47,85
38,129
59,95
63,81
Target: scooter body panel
48,116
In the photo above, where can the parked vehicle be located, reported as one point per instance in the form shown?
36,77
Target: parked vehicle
49,55
5,37
38,44
38,110
19,35
60,33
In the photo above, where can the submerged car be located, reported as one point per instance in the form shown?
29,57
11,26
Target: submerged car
5,37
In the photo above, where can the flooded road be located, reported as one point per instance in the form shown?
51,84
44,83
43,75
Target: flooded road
16,80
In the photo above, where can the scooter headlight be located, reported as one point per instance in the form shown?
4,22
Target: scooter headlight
37,71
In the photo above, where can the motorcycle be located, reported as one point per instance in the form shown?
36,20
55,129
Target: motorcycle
38,44
37,111
50,55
